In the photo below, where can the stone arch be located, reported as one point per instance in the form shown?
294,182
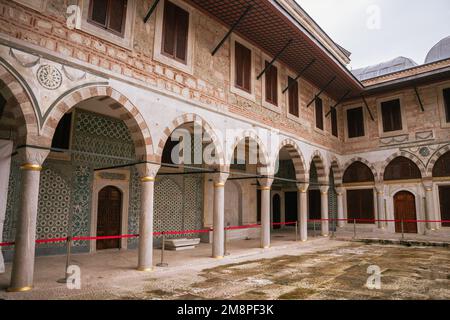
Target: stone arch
19,107
435,157
262,151
133,119
297,158
362,160
189,118
337,171
321,166
407,155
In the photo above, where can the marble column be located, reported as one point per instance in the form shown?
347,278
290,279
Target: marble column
340,206
24,249
265,186
324,210
148,174
380,206
303,211
219,180
429,205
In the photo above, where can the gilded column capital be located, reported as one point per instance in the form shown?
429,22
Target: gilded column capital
265,183
302,187
32,159
148,171
324,189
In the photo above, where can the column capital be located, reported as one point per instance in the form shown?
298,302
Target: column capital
148,171
324,189
32,158
339,190
303,187
265,183
219,179
427,184
379,187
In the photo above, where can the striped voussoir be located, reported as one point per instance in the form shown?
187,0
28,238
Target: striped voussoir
407,155
321,168
337,171
135,122
435,157
19,107
197,120
362,160
296,157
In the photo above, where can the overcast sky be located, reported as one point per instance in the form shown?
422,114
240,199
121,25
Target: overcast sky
380,30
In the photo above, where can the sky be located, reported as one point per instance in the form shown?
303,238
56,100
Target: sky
380,30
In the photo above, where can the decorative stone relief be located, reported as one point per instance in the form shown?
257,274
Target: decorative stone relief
395,140
49,77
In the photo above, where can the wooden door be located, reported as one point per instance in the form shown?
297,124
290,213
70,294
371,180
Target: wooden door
360,205
291,207
109,217
405,209
276,210
444,200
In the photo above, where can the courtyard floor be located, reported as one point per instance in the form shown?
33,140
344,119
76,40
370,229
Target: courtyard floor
317,269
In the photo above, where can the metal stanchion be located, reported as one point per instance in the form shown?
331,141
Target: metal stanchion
163,248
68,253
225,238
403,230
296,231
354,228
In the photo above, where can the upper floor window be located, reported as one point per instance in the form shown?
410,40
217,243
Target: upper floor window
243,67
392,115
334,124
61,138
355,122
319,113
272,84
109,15
293,97
446,93
175,32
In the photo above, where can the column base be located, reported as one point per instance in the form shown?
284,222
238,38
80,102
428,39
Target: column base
218,257
22,289
143,269
266,247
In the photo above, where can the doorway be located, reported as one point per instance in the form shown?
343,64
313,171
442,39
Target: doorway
405,209
276,210
291,206
444,200
109,217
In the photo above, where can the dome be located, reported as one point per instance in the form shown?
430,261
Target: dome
440,51
394,65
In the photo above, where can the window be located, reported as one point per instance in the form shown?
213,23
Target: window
293,97
334,124
175,32
272,84
358,172
401,168
355,122
108,14
61,138
446,93
319,113
392,115
243,67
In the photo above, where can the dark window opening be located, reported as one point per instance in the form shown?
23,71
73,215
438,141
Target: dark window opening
334,123
319,113
293,97
392,115
61,138
109,15
358,172
175,32
446,93
243,67
314,204
401,168
442,166
355,122
272,84
167,151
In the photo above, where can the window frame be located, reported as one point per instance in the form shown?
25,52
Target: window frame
321,130
250,95
366,133
38,5
106,26
280,76
441,104
331,122
379,102
158,53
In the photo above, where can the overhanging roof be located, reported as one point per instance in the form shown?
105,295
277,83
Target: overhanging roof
270,26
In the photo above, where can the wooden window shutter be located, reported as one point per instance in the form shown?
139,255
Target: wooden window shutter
391,114
319,113
446,93
355,122
98,11
169,29
272,84
182,20
243,67
334,124
175,32
117,13
293,97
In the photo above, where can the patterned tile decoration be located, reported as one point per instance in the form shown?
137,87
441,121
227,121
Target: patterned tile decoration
332,201
65,195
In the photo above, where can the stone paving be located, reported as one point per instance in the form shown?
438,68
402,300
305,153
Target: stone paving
317,269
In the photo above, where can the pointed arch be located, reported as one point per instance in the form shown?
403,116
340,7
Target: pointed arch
129,113
407,155
297,158
336,170
364,161
321,166
435,157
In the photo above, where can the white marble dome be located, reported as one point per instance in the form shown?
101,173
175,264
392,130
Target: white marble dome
440,51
